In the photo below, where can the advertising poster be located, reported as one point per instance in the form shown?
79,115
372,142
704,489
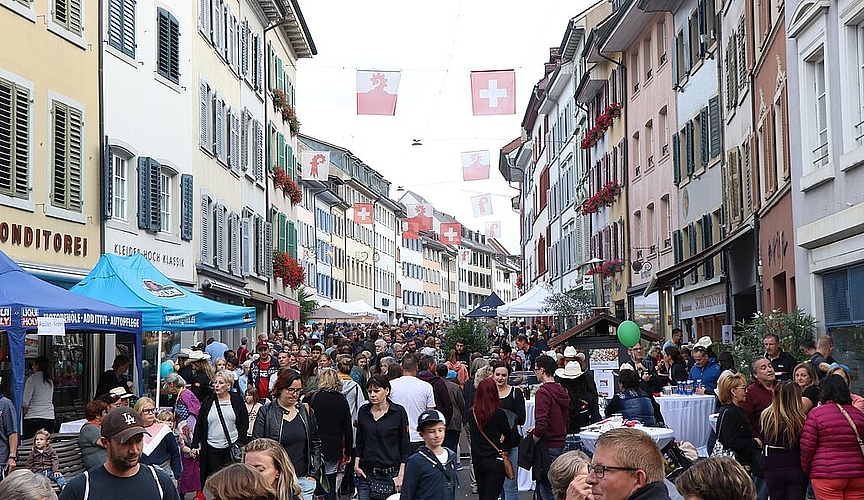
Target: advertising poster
604,359
605,382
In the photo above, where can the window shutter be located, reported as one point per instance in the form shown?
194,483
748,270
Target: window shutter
268,249
144,193
206,230
260,267
222,48
675,61
677,248
204,112
703,29
14,140
233,141
129,28
691,231
244,48
259,66
282,239
280,150
174,47
115,23
203,10
244,140
703,136
292,239
685,35
688,129
235,244
215,14
74,12
676,159
784,129
75,159
108,181
259,151
290,163
246,251
155,180
187,194
742,53
221,229
708,231
714,125
219,126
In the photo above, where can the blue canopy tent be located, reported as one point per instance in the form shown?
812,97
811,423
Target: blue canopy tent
488,308
24,298
135,283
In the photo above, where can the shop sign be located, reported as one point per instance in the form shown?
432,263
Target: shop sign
51,326
42,239
705,302
151,255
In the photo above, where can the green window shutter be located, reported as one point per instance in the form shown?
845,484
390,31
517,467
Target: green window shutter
107,181
280,72
67,157
703,27
688,146
144,193
703,136
187,194
676,159
714,125
283,239
280,149
292,166
14,140
677,247
292,239
271,79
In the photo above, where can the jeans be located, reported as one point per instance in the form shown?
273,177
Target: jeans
511,486
61,481
490,477
308,487
544,487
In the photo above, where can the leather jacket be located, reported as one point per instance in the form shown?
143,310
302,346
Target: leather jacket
268,424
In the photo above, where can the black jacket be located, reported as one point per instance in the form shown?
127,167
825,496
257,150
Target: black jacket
442,395
334,423
268,424
534,457
651,491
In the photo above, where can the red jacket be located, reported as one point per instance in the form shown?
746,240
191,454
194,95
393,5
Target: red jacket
551,413
758,398
829,449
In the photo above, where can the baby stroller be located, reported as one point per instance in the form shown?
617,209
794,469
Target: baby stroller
676,458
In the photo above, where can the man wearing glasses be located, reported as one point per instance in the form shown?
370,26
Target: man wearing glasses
627,466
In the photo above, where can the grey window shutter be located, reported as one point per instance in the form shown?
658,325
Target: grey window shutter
204,111
108,181
235,244
143,193
219,126
259,151
703,27
115,23
75,159
244,48
187,194
714,121
675,61
129,27
206,230
221,260
260,267
685,35
225,33
703,136
244,140
203,13
235,142
215,31
246,251
259,67
676,159
688,146
268,249
155,180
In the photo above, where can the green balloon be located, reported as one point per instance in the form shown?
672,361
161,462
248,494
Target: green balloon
628,333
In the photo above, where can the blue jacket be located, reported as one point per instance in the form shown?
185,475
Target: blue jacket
633,404
709,375
423,480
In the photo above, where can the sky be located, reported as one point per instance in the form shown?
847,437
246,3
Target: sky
435,45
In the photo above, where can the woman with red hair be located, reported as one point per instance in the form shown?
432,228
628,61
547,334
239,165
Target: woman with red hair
490,426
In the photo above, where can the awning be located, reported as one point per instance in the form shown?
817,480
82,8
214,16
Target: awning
602,323
287,310
664,277
488,308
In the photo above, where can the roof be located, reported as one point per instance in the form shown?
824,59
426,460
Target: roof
601,324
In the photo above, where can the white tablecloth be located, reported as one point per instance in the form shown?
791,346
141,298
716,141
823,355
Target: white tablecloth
688,417
524,476
72,427
660,435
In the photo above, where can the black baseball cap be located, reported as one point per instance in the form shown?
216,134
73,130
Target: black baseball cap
430,417
122,423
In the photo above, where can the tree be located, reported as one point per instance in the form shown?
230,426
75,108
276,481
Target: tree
570,306
307,306
477,335
792,328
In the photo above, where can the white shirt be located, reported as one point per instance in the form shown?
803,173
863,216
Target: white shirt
38,397
415,396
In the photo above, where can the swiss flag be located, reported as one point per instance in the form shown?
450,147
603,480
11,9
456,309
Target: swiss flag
493,92
451,233
376,92
420,217
364,213
475,165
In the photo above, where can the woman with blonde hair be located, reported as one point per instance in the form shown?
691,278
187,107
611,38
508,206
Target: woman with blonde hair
270,459
159,446
733,430
568,473
335,426
240,482
781,425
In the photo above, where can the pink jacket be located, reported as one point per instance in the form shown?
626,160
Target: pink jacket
829,449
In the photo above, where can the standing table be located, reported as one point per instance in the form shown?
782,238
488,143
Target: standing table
688,417
524,476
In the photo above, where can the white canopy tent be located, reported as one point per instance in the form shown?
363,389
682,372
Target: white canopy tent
366,309
531,304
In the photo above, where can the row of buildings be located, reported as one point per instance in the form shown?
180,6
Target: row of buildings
169,129
703,152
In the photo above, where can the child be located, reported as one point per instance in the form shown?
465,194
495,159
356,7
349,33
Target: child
166,417
430,473
43,459
252,406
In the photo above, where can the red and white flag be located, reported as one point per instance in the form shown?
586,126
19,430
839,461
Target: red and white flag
451,233
464,256
363,213
315,165
482,205
419,217
493,92
475,165
376,92
409,232
493,229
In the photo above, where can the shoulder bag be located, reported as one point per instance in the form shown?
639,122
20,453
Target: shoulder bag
854,427
509,471
233,448
720,450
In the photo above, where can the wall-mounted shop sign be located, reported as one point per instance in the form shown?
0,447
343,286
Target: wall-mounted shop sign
704,302
42,239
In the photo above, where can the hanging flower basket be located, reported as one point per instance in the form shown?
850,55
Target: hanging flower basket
607,269
284,108
286,267
603,198
294,193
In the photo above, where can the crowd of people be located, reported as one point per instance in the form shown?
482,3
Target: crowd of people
374,410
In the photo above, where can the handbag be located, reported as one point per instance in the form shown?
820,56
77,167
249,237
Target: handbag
380,487
509,471
854,427
720,450
233,448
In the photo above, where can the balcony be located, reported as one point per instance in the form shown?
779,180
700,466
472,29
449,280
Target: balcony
651,161
649,74
638,170
662,58
665,150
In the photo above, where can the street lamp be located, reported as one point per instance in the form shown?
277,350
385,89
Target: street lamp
596,263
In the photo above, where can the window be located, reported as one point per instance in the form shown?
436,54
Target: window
666,222
120,171
649,143
662,42
68,14
121,26
634,72
819,110
647,58
205,112
166,200
859,67
168,45
664,130
14,140
66,156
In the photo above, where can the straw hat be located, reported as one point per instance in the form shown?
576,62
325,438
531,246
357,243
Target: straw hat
197,355
570,352
571,371
626,366
703,342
